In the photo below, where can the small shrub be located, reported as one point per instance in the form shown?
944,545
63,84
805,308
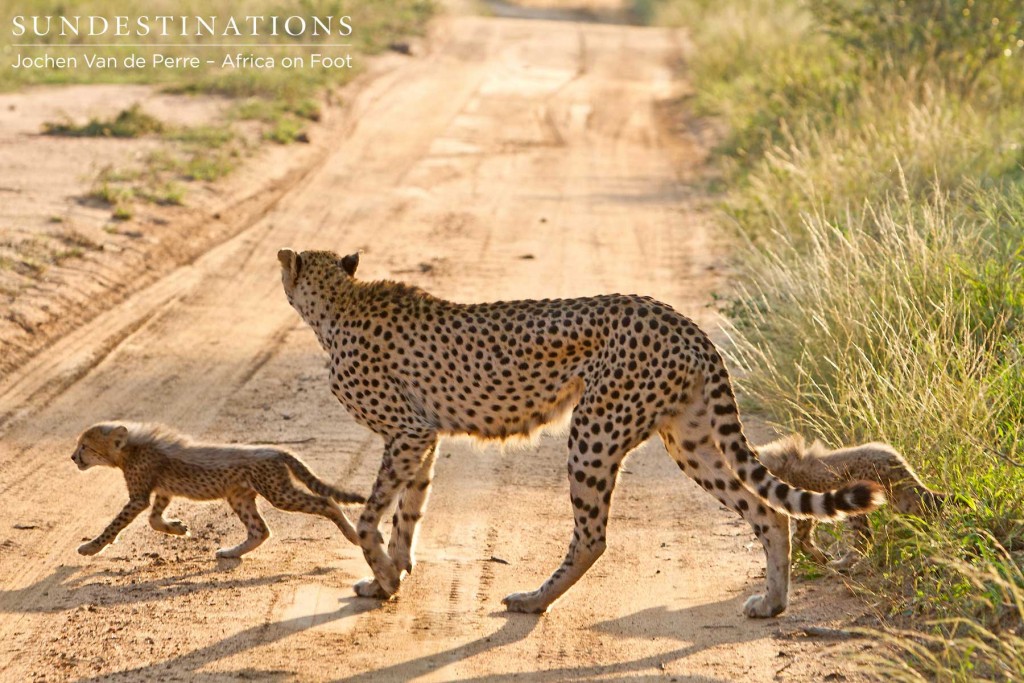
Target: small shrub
129,123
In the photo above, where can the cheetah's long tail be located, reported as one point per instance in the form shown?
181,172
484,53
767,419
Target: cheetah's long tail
853,499
316,485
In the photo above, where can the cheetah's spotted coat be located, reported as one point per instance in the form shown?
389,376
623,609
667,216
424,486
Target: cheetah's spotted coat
412,367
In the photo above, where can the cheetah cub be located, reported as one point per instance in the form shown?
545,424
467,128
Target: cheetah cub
817,468
156,460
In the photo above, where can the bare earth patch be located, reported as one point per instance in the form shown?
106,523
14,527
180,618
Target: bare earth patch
64,253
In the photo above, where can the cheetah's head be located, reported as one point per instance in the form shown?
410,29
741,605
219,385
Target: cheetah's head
101,444
305,274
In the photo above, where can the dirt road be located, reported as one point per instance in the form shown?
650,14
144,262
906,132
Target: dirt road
518,159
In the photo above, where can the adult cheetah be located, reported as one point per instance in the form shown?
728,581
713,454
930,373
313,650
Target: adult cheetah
412,367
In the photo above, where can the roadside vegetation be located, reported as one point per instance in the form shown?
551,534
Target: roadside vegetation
872,169
282,98
274,104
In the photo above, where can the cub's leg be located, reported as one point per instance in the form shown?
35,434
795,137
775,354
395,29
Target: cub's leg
861,529
804,537
688,439
404,456
593,467
280,492
244,504
157,521
411,507
129,512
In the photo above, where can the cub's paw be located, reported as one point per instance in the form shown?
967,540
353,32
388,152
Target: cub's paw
759,607
531,603
369,588
229,554
90,548
846,563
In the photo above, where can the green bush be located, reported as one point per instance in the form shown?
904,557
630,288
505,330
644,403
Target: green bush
952,41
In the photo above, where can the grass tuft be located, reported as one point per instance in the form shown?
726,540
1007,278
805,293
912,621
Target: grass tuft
129,123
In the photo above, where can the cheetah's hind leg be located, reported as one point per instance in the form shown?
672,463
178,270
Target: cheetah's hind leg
689,441
244,505
804,539
291,499
593,467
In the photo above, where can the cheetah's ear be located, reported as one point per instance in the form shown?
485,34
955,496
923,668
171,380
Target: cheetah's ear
119,437
291,263
350,263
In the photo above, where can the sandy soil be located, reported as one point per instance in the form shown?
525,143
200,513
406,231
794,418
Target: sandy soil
517,159
63,258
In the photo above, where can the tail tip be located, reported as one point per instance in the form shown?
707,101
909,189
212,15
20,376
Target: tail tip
861,496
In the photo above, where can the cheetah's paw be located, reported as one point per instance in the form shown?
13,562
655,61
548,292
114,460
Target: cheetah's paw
525,602
90,548
176,528
369,588
405,565
759,607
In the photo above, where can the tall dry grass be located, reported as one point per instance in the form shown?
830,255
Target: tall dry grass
877,198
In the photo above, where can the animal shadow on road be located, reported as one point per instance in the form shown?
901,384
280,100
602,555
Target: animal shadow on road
654,622
69,586
516,627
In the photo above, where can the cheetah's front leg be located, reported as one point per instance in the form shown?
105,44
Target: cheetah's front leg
129,512
404,456
411,507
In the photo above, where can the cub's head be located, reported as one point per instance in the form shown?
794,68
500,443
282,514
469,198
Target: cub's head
101,444
308,276
912,499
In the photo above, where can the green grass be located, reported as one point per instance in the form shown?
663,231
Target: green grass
122,213
875,187
286,120
284,101
129,123
192,154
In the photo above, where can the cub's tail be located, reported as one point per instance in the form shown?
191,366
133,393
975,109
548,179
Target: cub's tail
316,485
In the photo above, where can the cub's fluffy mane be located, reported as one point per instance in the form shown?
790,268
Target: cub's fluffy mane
173,444
159,436
792,446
